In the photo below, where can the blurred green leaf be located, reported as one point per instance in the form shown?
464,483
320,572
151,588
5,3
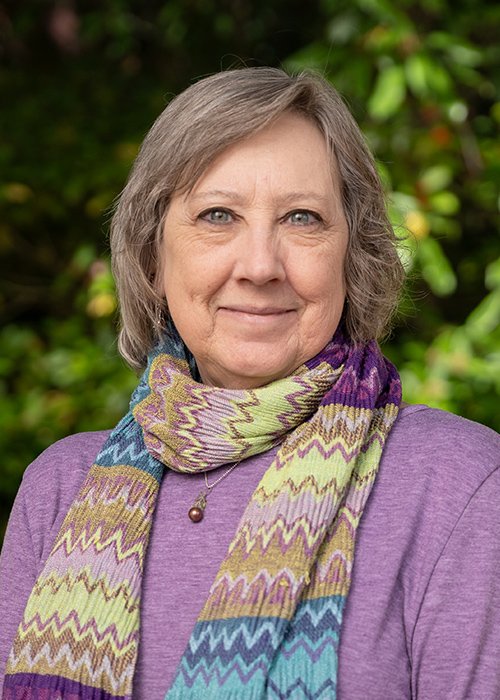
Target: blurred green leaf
417,74
492,274
388,94
445,203
436,178
486,316
436,269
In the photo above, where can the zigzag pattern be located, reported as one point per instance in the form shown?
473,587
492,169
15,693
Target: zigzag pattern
126,446
81,620
84,583
214,426
223,654
271,624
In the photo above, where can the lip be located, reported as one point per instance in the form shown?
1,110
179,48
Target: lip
257,311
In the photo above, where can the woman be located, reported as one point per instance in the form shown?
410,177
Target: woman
209,549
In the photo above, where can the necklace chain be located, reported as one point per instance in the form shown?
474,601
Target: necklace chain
197,510
228,471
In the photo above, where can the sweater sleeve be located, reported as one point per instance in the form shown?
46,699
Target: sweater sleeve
456,641
18,572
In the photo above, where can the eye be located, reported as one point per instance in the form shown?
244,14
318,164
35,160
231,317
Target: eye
303,217
217,216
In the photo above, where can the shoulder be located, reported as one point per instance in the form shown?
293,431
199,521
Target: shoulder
65,462
433,466
436,468
66,457
434,506
441,450
421,420
51,482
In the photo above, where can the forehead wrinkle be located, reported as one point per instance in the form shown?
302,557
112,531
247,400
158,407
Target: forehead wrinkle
285,198
290,197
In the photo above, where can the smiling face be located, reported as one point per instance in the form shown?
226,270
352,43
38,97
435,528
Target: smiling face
252,257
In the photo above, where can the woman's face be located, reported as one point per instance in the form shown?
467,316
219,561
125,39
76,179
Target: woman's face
252,257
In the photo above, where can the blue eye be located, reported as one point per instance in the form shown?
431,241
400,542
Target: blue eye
302,217
217,216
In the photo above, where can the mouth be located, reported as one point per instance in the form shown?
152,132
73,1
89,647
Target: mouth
258,319
257,311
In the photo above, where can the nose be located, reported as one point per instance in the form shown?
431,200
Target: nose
259,256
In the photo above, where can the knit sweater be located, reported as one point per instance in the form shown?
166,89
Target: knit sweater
423,615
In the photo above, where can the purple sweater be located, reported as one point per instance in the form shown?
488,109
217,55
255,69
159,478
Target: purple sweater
423,615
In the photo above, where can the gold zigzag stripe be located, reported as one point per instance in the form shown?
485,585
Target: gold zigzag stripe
248,562
249,590
53,584
276,597
318,434
121,482
77,659
56,630
88,532
80,609
271,488
283,532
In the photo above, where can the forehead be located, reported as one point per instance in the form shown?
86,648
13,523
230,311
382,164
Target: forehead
291,153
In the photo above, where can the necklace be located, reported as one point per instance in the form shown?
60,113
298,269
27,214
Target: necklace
197,510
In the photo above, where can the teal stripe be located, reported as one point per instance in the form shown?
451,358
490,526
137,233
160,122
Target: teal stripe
226,657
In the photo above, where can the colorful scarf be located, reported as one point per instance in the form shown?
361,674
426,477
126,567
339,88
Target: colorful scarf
270,627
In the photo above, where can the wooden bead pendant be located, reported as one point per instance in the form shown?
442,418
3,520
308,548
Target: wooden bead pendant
197,510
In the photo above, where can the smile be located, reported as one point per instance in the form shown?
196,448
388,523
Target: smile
251,314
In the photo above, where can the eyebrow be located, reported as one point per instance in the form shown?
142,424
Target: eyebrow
224,194
288,198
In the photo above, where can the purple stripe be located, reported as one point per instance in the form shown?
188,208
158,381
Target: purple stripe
28,686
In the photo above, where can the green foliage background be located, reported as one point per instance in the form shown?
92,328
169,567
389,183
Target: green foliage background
81,84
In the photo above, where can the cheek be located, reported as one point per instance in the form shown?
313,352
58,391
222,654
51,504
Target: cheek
321,277
191,280
170,279
180,266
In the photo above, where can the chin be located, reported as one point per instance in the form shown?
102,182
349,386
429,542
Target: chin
248,374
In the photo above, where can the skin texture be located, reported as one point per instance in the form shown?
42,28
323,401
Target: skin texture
253,256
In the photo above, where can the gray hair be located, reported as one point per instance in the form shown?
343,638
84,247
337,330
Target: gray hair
187,137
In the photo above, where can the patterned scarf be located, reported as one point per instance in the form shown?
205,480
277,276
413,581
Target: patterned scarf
270,627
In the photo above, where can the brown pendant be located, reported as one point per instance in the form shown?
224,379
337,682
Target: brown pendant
197,510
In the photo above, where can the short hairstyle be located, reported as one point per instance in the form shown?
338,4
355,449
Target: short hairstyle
187,137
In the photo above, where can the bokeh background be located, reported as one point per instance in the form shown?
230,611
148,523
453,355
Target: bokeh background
80,84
